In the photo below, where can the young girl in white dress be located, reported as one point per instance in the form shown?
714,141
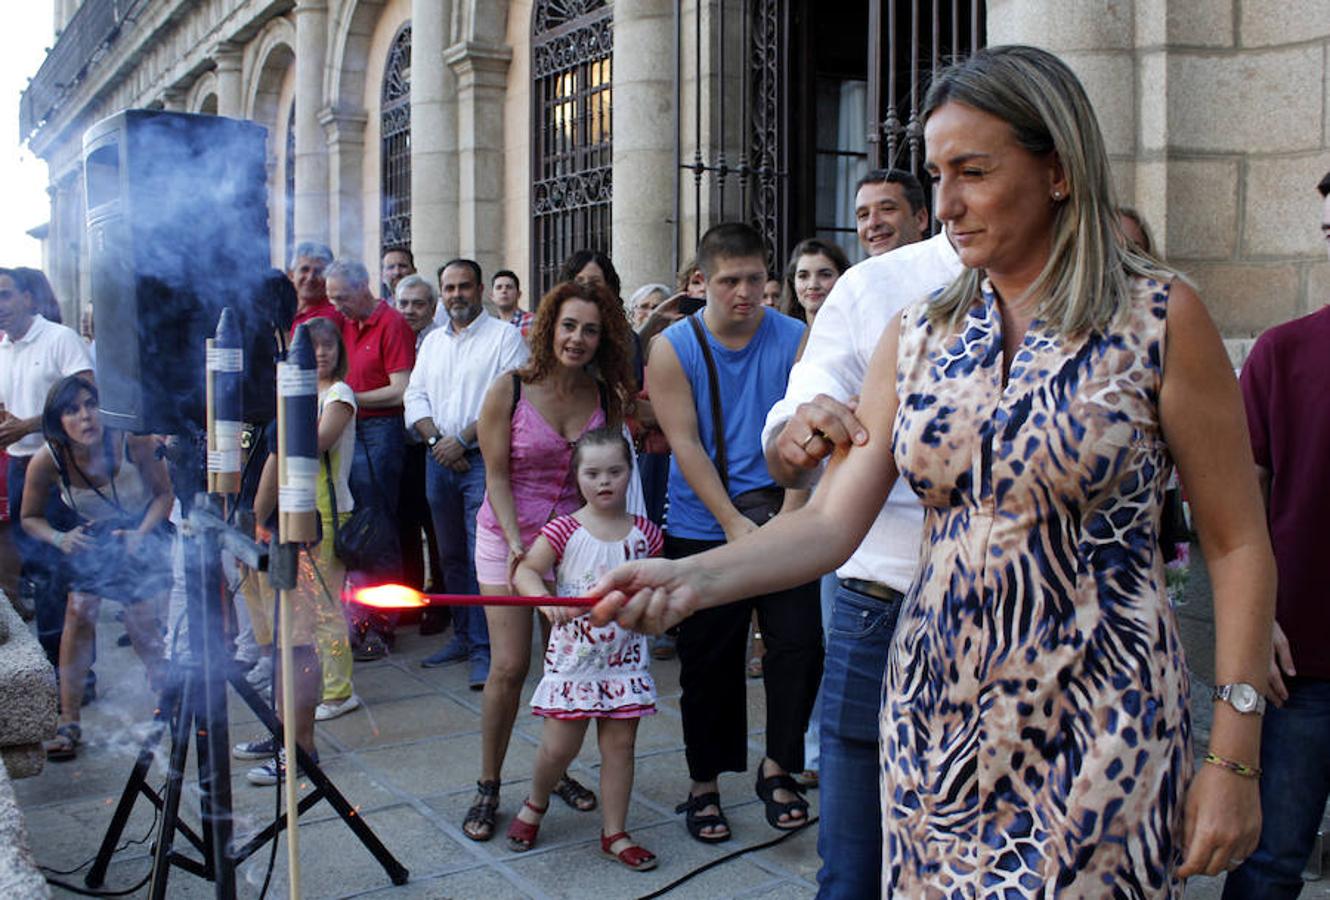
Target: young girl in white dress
590,672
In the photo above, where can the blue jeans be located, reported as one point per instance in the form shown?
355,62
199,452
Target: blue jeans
827,588
454,501
378,440
375,480
849,832
1295,784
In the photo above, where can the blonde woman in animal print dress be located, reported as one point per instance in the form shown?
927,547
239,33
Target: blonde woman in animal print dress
1035,734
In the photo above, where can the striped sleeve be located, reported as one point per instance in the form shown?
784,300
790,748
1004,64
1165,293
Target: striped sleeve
558,532
655,540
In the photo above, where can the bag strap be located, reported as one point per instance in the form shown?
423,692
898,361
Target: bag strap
114,499
517,394
332,491
713,388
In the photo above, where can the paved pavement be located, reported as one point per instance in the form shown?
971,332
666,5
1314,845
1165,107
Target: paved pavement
408,761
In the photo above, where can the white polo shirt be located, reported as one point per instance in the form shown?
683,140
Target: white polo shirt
453,371
30,365
844,335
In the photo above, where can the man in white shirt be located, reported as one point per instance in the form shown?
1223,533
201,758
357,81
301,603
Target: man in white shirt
889,210
801,430
34,355
457,363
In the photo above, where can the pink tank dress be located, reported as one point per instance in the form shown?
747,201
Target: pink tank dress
543,485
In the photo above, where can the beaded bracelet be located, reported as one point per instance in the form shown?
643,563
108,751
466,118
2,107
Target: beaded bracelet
1236,768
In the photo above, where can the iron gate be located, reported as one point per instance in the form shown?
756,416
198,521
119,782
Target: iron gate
759,59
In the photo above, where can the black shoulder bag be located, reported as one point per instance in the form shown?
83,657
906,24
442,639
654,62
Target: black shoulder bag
759,505
368,542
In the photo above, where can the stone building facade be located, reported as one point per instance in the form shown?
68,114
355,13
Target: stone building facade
514,131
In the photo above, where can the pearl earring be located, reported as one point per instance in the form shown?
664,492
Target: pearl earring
1057,195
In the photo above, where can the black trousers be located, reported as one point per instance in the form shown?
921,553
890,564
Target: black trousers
712,647
413,517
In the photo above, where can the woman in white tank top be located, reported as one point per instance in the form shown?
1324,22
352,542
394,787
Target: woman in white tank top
121,493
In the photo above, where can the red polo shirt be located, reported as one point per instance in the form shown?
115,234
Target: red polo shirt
375,348
319,310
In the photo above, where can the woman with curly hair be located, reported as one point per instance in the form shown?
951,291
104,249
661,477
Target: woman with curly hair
577,380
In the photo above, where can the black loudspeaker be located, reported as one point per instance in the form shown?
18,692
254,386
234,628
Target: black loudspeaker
177,230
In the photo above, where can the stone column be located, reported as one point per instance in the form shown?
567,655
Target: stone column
643,156
64,220
174,99
481,71
345,134
228,57
311,195
434,234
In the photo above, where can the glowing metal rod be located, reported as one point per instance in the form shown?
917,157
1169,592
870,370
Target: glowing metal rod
399,596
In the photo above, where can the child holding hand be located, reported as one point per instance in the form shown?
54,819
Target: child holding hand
590,672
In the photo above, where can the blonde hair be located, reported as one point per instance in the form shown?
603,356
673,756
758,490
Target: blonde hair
1086,282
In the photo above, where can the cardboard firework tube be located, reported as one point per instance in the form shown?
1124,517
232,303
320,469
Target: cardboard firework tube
225,375
298,442
297,522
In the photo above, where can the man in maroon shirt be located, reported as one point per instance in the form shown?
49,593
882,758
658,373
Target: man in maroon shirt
308,262
1286,389
380,352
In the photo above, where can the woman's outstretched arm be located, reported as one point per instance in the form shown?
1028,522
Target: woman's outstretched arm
651,595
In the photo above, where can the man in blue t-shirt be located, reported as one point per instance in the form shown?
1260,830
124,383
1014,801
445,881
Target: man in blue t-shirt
737,354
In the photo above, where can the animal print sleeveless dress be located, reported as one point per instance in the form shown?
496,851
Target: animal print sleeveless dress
1035,731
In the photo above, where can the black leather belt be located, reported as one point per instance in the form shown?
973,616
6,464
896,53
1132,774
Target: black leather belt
875,589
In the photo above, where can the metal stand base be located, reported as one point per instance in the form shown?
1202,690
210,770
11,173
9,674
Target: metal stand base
179,709
194,703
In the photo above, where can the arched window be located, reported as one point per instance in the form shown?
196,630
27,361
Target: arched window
395,144
572,49
289,183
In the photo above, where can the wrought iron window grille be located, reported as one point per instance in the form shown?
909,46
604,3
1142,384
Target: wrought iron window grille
572,52
395,145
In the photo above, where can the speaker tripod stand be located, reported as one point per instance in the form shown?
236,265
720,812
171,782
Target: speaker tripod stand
194,704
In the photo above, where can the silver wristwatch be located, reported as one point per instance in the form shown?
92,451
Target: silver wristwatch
1243,697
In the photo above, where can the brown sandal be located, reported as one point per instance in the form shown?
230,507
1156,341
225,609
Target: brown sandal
481,813
575,794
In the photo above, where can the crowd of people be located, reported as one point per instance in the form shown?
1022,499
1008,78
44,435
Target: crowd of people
933,481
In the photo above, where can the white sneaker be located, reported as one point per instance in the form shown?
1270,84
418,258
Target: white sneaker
332,709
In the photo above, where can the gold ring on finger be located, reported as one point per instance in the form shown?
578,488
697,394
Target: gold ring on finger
803,445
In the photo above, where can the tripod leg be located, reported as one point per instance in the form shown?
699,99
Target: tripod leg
175,777
396,872
168,706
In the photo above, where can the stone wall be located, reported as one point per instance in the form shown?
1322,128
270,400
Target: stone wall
1217,118
27,717
19,876
28,702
